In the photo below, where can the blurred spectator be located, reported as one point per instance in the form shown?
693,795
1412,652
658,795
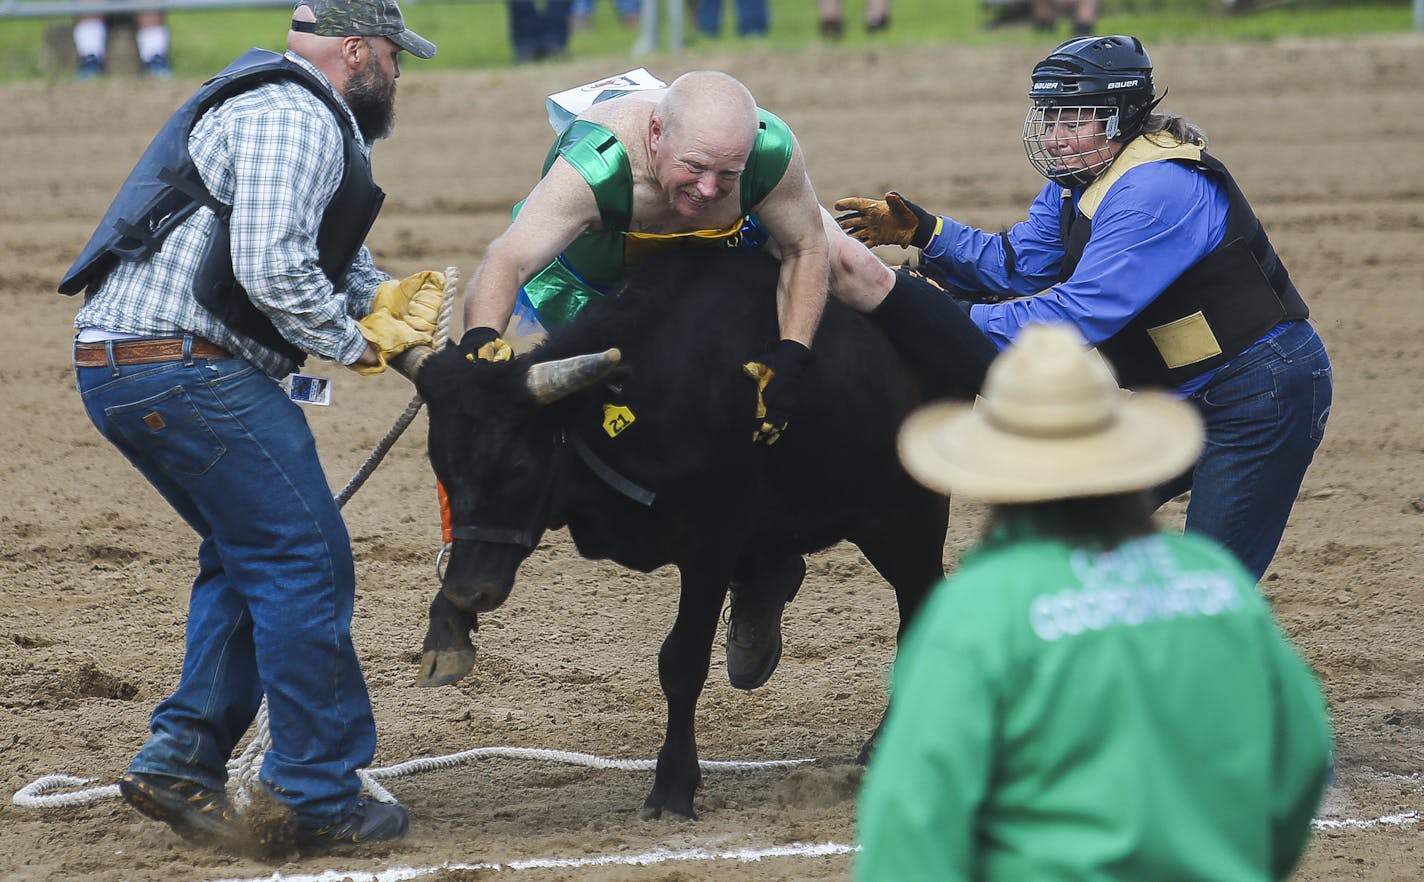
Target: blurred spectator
539,29
91,43
630,13
1084,13
753,18
877,17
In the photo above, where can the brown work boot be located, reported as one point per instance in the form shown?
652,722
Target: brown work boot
754,621
195,812
753,642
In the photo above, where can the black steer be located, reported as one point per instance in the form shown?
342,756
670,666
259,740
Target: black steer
535,443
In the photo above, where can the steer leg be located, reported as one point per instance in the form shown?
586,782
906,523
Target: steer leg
447,653
683,663
907,548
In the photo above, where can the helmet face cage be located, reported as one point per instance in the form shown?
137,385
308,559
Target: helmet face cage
1070,144
1099,86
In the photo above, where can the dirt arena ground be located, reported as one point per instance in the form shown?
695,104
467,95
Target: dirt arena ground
94,567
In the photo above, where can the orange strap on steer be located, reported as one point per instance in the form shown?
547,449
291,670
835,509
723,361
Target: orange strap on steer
445,530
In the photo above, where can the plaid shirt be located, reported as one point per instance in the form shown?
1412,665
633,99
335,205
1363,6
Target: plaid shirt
274,153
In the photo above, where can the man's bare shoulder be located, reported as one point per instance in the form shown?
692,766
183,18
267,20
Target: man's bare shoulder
626,116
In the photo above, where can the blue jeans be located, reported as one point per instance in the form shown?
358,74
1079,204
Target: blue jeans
538,30
1265,413
753,19
625,8
270,611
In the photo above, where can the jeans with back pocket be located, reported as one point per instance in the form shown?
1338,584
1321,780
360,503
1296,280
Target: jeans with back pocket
270,610
1265,413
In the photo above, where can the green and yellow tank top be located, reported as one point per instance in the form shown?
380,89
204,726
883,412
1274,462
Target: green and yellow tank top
598,258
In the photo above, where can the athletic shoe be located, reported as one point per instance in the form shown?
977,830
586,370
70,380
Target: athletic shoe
192,810
369,821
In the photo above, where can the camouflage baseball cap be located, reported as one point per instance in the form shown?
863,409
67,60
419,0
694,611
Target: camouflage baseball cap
364,18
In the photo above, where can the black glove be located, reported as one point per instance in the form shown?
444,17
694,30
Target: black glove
894,220
778,377
484,344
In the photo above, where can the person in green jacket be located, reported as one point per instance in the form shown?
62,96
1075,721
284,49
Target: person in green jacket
1088,697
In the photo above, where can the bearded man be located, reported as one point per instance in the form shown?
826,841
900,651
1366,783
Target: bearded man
233,251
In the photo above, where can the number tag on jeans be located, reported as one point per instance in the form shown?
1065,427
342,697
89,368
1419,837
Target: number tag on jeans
307,389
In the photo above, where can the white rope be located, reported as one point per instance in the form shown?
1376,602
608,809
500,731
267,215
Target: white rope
442,335
36,794
42,792
568,757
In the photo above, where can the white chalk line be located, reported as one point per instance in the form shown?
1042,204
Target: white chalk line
662,856
1358,824
650,858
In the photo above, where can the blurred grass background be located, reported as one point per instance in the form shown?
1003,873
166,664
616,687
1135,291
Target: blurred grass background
476,34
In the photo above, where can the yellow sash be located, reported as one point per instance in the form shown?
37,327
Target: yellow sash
1139,151
637,246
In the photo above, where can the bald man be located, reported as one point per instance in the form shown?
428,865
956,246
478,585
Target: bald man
694,161
233,251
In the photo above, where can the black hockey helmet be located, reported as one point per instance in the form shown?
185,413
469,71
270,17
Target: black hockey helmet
1098,72
1105,82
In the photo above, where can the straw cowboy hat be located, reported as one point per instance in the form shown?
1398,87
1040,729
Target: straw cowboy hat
1051,424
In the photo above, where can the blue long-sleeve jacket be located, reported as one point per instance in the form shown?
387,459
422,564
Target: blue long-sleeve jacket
1153,224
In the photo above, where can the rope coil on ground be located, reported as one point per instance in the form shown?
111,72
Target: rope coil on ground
42,792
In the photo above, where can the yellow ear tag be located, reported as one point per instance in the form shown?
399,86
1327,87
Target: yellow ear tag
616,418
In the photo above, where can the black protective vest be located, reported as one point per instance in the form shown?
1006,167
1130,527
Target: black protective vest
164,189
1240,290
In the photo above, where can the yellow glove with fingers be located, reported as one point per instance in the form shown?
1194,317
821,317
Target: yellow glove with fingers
390,337
893,220
484,344
777,374
415,300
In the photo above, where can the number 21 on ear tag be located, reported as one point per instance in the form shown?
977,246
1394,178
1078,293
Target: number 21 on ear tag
616,418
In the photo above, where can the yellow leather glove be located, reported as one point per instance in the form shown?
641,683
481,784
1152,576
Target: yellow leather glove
389,337
416,299
777,374
893,220
484,344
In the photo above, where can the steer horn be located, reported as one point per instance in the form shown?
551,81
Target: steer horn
551,380
408,363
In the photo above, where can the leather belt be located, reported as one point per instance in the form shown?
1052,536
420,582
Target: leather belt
143,351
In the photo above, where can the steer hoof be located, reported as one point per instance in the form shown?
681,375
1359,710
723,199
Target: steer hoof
654,812
660,805
443,667
869,747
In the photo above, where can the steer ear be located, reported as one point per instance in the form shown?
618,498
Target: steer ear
551,380
408,363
